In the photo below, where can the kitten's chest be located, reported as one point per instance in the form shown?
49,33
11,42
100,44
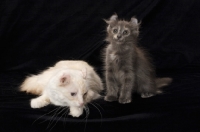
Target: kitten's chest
117,58
113,56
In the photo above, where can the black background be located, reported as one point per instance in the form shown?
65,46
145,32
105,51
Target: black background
35,34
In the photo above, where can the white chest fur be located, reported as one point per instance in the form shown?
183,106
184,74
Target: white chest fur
112,56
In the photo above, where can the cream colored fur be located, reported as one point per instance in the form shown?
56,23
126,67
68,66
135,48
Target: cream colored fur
57,84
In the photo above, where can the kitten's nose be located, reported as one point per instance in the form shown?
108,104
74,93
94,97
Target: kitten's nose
119,36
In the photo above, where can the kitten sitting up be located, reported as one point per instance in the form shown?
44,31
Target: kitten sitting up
128,67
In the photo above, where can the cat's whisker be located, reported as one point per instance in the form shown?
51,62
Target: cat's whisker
56,109
87,110
99,111
54,117
66,115
58,118
98,105
44,115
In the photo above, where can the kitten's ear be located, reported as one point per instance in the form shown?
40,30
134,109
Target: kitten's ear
84,73
113,18
134,21
64,79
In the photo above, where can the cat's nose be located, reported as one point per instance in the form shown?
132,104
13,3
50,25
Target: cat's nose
81,104
119,36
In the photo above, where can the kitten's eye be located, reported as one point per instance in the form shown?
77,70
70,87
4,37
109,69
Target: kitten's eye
125,32
115,31
73,94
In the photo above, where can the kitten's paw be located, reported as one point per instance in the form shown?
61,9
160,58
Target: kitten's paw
124,100
75,111
146,95
110,98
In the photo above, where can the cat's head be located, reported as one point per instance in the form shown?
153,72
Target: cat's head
70,88
121,31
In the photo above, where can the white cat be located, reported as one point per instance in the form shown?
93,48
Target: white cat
67,83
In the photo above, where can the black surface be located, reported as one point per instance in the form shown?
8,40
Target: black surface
34,34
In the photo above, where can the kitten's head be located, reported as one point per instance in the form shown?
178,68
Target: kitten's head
69,88
121,31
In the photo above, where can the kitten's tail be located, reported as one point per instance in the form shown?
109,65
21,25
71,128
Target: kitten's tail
161,82
32,85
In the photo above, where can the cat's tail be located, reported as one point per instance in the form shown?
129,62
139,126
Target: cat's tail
161,82
32,85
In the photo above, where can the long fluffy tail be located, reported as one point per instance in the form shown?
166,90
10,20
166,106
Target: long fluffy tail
32,85
161,82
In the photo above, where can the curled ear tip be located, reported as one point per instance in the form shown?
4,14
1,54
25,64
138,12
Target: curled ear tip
114,17
134,20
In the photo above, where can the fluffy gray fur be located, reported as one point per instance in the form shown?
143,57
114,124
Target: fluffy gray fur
128,67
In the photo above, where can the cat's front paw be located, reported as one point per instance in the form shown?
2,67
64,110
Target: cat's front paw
110,98
39,102
36,104
124,100
75,111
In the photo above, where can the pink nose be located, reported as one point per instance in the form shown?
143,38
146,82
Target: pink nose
81,104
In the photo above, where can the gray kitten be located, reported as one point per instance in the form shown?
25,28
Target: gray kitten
127,67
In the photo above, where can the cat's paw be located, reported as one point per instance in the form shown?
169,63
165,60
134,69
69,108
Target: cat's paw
39,102
124,100
75,111
110,98
146,95
36,104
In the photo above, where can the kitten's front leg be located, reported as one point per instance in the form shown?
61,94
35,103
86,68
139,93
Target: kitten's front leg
76,111
40,101
127,88
111,87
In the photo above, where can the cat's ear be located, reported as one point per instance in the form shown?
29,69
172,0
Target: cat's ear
113,18
134,21
84,73
64,79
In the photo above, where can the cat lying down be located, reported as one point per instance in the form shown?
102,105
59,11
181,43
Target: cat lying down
67,83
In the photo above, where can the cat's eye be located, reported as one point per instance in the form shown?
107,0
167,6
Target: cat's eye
85,94
73,94
115,30
125,32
